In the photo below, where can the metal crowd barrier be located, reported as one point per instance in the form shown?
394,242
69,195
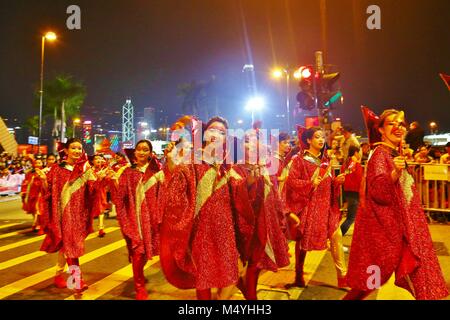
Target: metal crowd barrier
432,183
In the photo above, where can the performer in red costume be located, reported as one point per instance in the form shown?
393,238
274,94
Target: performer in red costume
69,190
178,152
49,162
265,246
278,157
312,194
43,218
101,204
391,233
135,197
31,193
198,240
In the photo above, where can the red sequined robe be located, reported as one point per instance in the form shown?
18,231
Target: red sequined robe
43,201
198,240
391,232
31,192
136,205
100,201
67,209
162,194
317,209
267,248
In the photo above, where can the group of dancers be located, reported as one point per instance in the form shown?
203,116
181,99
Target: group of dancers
216,224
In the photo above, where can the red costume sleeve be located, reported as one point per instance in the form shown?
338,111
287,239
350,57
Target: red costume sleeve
299,186
242,197
381,189
271,248
99,202
176,228
380,176
120,196
46,203
23,189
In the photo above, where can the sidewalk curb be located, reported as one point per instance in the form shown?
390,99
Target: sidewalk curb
9,198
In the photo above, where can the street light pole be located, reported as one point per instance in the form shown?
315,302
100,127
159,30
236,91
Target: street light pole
278,74
50,36
41,91
287,101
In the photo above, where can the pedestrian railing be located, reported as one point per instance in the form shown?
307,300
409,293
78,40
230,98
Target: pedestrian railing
433,184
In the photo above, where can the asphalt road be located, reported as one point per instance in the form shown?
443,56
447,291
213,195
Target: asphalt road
27,273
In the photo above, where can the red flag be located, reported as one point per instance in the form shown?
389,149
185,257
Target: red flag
130,154
446,79
371,120
301,144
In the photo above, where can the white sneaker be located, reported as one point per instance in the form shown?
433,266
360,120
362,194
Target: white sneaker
346,249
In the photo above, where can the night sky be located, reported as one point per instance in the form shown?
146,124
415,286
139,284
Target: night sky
145,48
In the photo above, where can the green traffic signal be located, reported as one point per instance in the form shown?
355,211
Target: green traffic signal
333,99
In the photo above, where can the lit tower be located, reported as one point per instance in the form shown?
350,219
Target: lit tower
128,123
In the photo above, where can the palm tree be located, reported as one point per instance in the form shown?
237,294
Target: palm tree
195,97
32,124
63,97
189,91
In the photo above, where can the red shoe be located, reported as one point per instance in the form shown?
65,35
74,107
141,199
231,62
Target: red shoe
141,294
342,282
41,232
60,282
83,286
101,233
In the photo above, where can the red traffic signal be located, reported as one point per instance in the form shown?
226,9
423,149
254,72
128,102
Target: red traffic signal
305,97
304,73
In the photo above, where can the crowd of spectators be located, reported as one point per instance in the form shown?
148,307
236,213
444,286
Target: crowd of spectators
414,148
14,168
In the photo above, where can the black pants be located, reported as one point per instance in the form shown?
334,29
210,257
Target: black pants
352,199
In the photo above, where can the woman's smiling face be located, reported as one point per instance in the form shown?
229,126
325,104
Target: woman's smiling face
393,130
142,152
74,151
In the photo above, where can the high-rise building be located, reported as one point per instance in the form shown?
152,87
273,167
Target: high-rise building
104,118
149,117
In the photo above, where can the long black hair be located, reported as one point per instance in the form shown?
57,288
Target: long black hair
309,134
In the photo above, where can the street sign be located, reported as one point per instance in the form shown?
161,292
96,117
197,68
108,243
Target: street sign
33,140
436,172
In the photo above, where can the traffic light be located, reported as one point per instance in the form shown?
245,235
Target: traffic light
305,97
87,132
328,94
325,116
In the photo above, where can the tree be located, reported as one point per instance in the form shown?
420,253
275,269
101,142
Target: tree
32,124
62,99
195,97
189,92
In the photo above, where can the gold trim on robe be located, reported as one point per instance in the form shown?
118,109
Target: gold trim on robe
70,188
207,185
141,189
283,176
